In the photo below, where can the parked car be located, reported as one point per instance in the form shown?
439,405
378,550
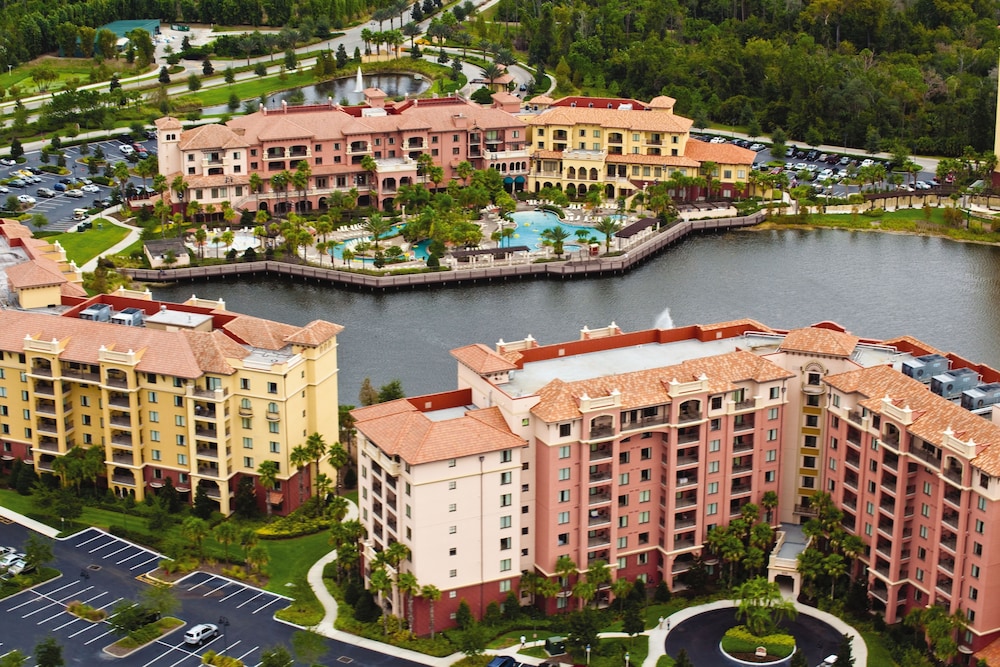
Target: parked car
923,185
199,633
4,189
811,155
66,181
125,138
45,192
8,162
502,661
60,187
790,151
90,187
17,183
845,160
103,203
10,558
76,194
19,567
125,149
37,171
25,199
151,134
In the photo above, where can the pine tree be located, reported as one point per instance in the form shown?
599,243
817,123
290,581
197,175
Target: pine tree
367,395
683,660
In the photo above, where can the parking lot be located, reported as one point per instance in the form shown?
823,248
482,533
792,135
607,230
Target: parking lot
102,570
59,209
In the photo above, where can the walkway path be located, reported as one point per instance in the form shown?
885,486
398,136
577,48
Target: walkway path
130,238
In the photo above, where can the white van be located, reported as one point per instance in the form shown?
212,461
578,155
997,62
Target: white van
79,213
199,633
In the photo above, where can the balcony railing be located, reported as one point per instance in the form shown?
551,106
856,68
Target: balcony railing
600,476
602,432
641,422
684,522
273,416
947,564
246,412
600,453
684,543
598,541
206,433
207,452
742,444
745,405
598,518
119,401
686,460
121,440
690,416
127,480
48,445
949,543
805,510
120,382
123,421
208,471
928,457
950,520
124,459
742,468
42,369
686,480
954,475
599,498
686,501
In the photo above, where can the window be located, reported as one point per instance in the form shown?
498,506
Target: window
833,464
155,454
646,453
775,392
715,424
452,463
623,521
451,485
452,507
454,529
769,476
772,434
974,570
623,457
246,422
505,543
273,427
506,456
565,430
870,508
771,455
563,517
713,487
178,401
981,503
973,593
642,559
151,397
644,496
623,479
248,462
977,549
921,553
772,413
182,459
809,461
645,475
564,496
154,436
623,500
925,510
980,526
713,466
868,529
507,499
505,565
714,445
564,452
920,574
274,447
563,474
453,551
923,532
453,574
644,517
272,387
622,563
505,586
623,542
505,478
562,540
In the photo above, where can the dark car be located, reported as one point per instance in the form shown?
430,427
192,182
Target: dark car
150,134
103,203
65,181
60,187
125,138
17,183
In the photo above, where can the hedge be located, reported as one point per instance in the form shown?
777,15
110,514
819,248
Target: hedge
741,640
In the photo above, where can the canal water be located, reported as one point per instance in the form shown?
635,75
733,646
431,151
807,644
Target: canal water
877,285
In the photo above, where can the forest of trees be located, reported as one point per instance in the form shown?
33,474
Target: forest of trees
921,71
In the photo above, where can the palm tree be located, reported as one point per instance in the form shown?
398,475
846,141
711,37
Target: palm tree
300,457
554,237
179,186
146,169
409,588
366,37
257,558
338,459
769,501
369,164
122,175
200,236
268,474
256,185
620,588
607,226
491,73
708,170
316,446
430,593
195,530
300,179
565,568
464,170
835,566
376,225
381,584
226,533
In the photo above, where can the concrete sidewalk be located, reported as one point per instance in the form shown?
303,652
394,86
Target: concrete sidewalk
37,526
130,238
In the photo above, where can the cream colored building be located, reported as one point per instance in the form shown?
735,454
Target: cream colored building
199,394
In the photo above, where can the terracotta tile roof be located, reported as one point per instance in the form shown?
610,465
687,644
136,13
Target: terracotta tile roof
315,333
33,274
167,123
212,135
212,348
13,229
258,332
819,341
503,97
932,414
375,93
481,359
547,155
541,99
704,151
735,323
399,429
662,102
612,119
163,352
919,344
662,160
72,289
206,181
560,400
990,653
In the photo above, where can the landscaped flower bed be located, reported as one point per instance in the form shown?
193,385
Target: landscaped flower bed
85,611
741,644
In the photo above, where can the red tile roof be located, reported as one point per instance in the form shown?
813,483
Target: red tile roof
819,341
704,151
481,359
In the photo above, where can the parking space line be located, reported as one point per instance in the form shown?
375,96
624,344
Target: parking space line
95,597
103,634
248,653
115,601
151,560
240,606
114,553
268,604
232,594
56,615
204,581
130,557
80,632
215,590
112,541
71,621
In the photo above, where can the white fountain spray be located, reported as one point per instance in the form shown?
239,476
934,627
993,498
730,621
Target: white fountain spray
664,321
359,84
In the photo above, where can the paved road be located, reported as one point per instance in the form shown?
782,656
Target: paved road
701,635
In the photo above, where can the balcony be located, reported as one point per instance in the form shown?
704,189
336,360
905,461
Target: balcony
953,495
947,564
738,489
747,421
117,400
886,527
204,432
853,459
642,422
949,543
891,463
950,519
883,569
685,520
742,443
684,541
805,510
687,480
204,411
211,394
599,498
598,538
122,421
953,474
600,453
686,500
246,411
888,504
880,592
598,555
43,407
682,564
208,471
44,370
598,518
125,479
48,445
598,432
123,458
944,584
851,481
686,416
117,381
600,473
42,463
45,389
851,503
742,465
207,452
121,439
47,426
688,435
683,461
273,416
932,458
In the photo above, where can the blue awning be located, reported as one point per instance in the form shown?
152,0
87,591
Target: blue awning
508,180
519,179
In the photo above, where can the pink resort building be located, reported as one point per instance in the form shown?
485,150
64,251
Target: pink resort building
628,448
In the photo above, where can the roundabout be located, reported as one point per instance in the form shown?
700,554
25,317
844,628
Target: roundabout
700,634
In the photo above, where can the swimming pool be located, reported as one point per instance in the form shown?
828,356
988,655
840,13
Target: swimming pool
531,224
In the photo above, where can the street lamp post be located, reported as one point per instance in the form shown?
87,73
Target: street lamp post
588,654
626,659
9,68
224,623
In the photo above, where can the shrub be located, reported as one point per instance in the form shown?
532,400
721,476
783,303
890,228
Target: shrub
740,640
213,658
85,611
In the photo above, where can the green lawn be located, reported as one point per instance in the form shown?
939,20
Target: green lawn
878,653
81,247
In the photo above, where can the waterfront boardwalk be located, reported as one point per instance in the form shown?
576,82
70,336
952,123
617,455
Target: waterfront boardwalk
569,268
